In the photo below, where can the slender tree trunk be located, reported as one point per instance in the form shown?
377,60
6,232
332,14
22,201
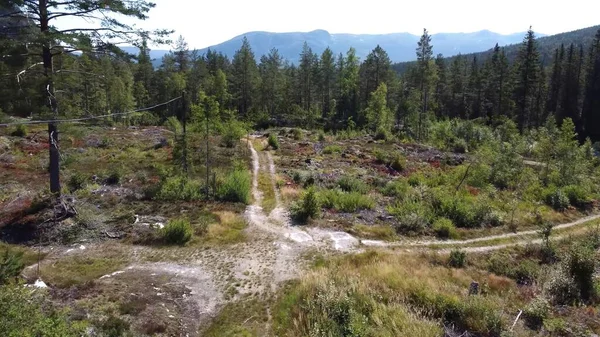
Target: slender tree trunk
52,127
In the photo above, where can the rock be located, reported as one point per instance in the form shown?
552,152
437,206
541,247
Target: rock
474,288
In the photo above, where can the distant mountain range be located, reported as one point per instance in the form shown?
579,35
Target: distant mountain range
399,46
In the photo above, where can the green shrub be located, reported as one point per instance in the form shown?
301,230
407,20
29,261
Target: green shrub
297,134
577,195
236,187
20,131
457,259
556,198
398,163
113,177
11,264
536,312
382,134
348,202
413,216
177,232
382,157
27,312
526,272
561,288
445,229
273,141
77,182
232,133
396,188
330,149
500,263
297,177
580,265
114,326
460,146
350,184
179,188
321,137
309,207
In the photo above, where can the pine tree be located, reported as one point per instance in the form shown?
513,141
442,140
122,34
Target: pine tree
424,58
591,104
556,81
458,80
349,84
475,88
143,76
378,115
528,77
442,92
499,88
307,78
327,78
244,78
376,69
272,81
569,96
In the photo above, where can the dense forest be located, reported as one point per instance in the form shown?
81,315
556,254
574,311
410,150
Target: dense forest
327,91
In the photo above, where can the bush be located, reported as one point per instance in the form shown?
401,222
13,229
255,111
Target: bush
536,312
581,264
309,207
179,188
321,137
330,149
561,288
77,181
348,202
350,184
236,187
113,177
457,259
232,133
177,232
27,312
273,141
382,134
412,216
577,195
11,264
20,131
445,229
398,163
397,188
526,272
297,134
114,326
556,198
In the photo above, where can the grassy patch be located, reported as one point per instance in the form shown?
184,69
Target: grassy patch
346,202
375,232
266,187
229,229
245,318
376,294
82,268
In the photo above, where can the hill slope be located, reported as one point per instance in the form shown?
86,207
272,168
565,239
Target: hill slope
546,46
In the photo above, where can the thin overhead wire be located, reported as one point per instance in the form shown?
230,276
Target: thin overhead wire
91,117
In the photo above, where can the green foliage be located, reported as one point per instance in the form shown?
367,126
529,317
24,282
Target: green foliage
348,202
113,176
235,187
309,207
581,265
177,232
179,188
114,327
577,195
413,216
459,135
297,134
77,181
396,188
29,313
351,184
555,198
536,312
273,141
330,149
457,259
233,131
20,131
11,264
445,229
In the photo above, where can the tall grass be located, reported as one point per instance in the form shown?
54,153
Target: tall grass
348,202
235,187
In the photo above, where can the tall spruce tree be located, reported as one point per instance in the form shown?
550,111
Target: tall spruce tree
424,58
556,81
327,78
591,104
244,78
569,95
272,81
527,80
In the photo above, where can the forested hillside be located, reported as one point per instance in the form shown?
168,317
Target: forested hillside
546,46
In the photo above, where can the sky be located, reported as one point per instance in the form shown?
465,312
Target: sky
205,23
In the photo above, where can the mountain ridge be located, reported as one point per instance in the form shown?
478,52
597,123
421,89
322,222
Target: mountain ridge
400,46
